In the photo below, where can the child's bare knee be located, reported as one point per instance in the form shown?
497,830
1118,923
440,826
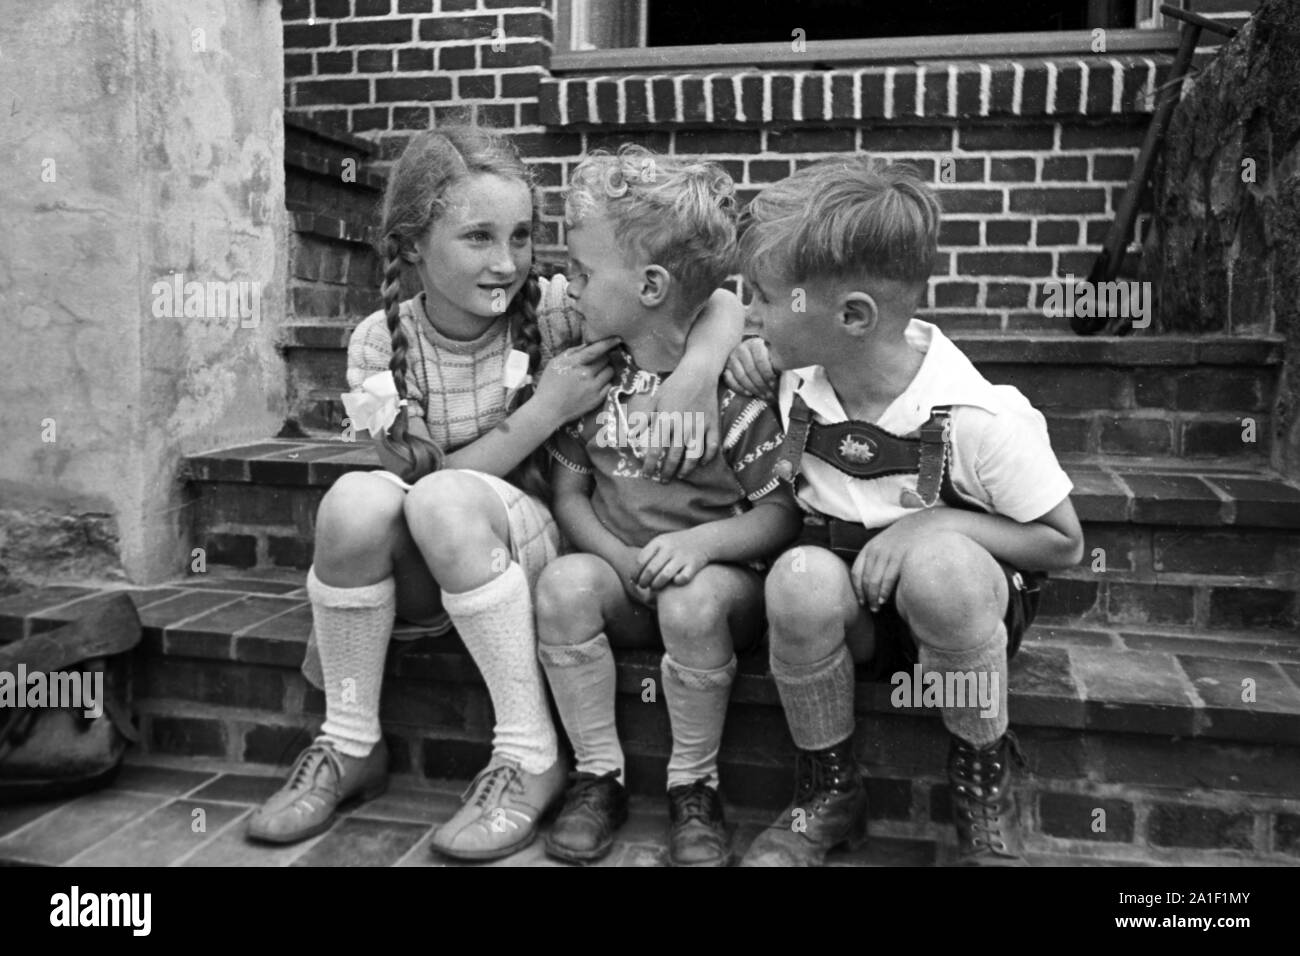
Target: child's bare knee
951,581
445,501
691,610
808,589
567,588
358,515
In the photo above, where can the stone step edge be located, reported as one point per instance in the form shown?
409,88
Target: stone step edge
311,401
48,606
1102,492
304,219
371,182
304,120
779,762
999,348
1060,700
1183,698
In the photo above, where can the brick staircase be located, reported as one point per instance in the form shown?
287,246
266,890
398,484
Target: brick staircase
1128,694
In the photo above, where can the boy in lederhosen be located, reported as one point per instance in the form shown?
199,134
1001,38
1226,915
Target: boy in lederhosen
933,501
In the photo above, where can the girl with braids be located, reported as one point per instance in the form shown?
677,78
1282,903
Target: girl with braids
455,531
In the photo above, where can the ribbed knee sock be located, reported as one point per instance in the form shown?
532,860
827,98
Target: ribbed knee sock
353,626
495,621
988,662
697,708
584,683
818,699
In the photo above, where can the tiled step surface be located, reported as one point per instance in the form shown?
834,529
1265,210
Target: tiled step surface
148,818
1127,396
1147,724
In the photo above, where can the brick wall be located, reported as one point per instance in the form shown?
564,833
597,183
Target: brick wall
1030,156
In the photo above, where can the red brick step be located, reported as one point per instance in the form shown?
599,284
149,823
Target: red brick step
1129,720
1172,544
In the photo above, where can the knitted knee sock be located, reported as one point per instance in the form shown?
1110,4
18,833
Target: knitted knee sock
697,708
988,661
353,626
495,621
583,681
818,699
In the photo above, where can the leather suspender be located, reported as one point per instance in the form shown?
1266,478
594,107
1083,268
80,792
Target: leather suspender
865,450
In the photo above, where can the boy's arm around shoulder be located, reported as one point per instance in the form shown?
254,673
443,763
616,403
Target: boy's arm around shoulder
692,390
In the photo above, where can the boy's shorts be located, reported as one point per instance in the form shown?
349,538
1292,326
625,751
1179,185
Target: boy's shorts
895,644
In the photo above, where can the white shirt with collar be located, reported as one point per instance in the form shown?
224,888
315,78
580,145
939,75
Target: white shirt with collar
1001,458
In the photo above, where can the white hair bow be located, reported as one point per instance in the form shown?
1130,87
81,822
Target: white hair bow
375,407
514,374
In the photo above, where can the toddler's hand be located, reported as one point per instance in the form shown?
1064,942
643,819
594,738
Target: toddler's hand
627,570
749,370
672,558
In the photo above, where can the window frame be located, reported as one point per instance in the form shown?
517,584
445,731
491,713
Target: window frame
1151,37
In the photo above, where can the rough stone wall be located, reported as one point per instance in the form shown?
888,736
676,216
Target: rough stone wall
143,138
1228,200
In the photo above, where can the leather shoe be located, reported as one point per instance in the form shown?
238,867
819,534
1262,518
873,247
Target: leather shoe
594,808
698,832
321,780
829,809
501,812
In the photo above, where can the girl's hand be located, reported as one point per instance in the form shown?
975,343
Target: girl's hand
685,421
749,370
672,558
574,382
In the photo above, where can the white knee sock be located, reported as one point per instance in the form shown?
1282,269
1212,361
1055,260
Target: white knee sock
496,623
585,685
697,708
353,626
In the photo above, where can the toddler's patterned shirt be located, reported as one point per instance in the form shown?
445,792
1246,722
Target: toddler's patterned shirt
610,445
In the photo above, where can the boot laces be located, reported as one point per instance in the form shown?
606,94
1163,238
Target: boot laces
307,767
979,799
491,783
815,776
587,791
696,803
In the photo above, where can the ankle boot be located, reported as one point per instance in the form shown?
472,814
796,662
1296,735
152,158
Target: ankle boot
983,802
829,809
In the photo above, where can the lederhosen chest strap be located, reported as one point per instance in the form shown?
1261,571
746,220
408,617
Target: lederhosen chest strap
865,450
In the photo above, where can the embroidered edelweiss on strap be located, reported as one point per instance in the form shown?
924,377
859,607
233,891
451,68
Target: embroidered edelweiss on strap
864,450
